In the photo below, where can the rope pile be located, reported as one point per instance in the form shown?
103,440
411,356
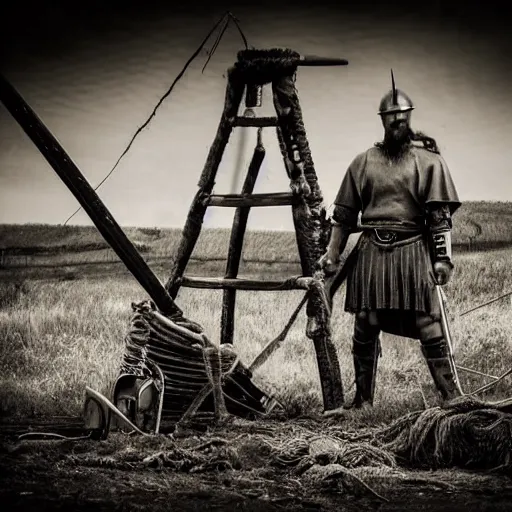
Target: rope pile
192,371
469,434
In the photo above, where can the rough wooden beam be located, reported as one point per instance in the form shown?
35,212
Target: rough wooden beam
219,283
193,224
253,200
311,228
69,173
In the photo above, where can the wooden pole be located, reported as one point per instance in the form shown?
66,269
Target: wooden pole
236,244
69,173
311,225
311,228
273,345
193,224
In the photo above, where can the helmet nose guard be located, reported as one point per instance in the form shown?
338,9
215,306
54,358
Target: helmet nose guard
395,101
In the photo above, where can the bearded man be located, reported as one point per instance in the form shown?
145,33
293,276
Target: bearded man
406,198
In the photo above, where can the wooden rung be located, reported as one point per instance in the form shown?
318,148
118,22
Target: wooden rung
256,122
236,200
218,283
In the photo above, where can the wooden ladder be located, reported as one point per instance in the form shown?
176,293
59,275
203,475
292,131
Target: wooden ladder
253,70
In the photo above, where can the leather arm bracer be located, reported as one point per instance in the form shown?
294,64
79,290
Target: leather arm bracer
442,246
440,229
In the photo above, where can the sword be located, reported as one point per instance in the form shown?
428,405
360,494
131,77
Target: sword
446,331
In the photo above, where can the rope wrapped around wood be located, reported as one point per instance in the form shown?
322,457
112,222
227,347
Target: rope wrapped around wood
319,316
185,357
261,67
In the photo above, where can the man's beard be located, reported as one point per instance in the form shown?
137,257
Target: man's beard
396,145
397,141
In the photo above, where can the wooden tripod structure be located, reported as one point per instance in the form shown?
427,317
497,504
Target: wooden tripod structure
253,70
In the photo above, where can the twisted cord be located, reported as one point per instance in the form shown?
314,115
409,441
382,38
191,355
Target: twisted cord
226,17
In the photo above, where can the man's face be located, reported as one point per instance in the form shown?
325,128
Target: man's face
397,125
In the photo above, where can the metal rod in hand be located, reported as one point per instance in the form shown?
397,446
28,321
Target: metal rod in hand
447,335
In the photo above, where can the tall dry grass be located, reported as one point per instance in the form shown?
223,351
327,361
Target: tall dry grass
60,335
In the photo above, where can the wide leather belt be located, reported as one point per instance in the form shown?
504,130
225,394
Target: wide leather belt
388,236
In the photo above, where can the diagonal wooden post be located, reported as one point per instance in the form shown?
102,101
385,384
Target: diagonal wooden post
236,244
193,224
70,174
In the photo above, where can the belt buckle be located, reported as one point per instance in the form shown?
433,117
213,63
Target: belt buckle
386,237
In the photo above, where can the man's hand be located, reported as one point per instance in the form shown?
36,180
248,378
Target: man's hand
442,271
329,263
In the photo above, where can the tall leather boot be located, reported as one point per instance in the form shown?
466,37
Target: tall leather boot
365,354
436,354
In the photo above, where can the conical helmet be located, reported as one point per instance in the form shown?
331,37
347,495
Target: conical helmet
395,101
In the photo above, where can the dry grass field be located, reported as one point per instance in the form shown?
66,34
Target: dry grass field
61,334
62,328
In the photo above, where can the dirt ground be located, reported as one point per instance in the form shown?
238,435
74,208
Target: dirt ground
220,470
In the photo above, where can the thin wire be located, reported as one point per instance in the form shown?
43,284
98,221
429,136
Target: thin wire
215,44
52,435
486,303
139,130
237,23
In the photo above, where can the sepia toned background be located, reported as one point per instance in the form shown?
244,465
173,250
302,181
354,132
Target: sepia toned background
95,75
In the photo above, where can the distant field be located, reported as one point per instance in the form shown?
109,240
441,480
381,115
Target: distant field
477,226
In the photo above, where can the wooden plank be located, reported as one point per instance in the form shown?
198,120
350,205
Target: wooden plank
219,283
256,122
251,200
69,173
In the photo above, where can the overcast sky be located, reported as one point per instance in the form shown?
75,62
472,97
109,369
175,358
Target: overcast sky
93,78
